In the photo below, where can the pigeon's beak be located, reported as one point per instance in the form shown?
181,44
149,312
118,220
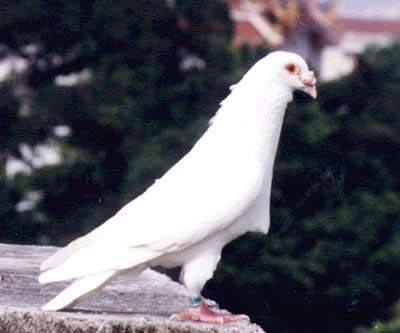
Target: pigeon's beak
309,84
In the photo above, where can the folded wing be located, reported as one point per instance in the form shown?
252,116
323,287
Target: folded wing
188,204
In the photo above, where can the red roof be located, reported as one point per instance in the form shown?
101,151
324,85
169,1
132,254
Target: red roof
246,34
233,2
370,26
281,18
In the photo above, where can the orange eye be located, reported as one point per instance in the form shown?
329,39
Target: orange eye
291,68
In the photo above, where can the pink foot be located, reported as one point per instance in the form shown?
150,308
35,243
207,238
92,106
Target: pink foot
206,315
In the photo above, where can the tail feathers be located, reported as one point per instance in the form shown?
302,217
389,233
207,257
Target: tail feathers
63,254
79,289
96,259
78,245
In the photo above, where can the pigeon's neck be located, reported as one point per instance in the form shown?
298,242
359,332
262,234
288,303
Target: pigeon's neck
251,120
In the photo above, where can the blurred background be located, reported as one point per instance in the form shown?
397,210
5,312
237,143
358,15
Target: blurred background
98,98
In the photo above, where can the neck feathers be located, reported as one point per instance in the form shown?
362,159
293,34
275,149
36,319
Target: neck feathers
250,120
248,102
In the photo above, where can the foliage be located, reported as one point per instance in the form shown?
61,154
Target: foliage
146,86
390,326
137,113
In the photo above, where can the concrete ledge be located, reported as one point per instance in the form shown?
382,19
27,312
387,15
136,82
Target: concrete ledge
129,304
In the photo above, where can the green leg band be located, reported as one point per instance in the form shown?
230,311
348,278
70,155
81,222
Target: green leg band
194,300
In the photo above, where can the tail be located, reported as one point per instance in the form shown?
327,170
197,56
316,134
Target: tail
96,259
80,289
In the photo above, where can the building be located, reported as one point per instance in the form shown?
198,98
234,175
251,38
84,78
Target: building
302,26
329,34
377,24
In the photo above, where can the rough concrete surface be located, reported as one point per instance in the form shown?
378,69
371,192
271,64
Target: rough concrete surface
129,304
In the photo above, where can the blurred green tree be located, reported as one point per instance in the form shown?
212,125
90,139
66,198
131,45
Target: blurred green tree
391,325
147,77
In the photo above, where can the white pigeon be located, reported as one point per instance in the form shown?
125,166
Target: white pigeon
218,191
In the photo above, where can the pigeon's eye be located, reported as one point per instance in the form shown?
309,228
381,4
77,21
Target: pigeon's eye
291,68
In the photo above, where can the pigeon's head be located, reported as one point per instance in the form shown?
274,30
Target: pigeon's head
290,69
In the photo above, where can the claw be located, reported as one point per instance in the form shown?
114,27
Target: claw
206,315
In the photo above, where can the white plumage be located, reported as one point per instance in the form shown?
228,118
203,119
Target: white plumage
215,193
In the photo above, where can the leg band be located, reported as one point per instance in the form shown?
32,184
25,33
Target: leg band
194,300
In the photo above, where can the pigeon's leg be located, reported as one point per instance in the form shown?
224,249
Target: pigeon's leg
203,313
194,275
